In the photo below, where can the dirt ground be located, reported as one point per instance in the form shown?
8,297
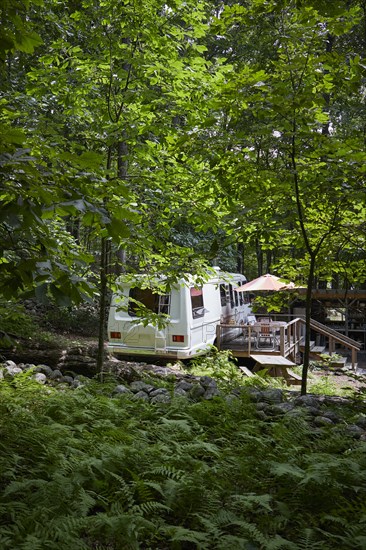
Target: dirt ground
345,383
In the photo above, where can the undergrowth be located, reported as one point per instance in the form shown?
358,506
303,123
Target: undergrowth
82,470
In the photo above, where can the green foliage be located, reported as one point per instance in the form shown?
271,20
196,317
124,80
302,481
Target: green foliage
80,320
14,322
121,473
220,365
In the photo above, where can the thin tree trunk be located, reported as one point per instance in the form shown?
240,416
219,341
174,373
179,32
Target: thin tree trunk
102,306
103,287
259,255
122,167
306,359
240,258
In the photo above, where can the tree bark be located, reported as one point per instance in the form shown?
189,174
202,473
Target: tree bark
306,358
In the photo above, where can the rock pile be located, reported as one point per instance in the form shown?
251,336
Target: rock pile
169,383
43,374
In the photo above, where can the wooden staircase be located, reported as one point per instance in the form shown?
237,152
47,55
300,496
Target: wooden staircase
333,337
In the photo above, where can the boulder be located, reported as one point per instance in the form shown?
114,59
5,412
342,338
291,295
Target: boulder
184,385
211,392
272,396
159,391
55,375
68,379
208,382
196,392
12,371
40,377
10,364
322,421
139,385
360,421
161,398
141,395
307,401
279,408
332,416
121,389
45,369
355,431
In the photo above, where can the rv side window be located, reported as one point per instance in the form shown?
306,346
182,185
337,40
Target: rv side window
223,294
164,303
198,309
158,303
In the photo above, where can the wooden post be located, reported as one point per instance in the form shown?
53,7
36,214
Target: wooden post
331,345
218,336
282,341
354,358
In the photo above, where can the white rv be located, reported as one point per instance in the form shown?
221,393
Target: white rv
194,312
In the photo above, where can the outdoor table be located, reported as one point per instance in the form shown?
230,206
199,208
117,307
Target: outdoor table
276,365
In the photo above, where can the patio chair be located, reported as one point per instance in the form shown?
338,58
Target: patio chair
266,337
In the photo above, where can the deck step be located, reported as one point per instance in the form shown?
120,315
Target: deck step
317,349
302,343
340,361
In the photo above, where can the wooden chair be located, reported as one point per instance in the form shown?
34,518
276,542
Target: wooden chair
266,337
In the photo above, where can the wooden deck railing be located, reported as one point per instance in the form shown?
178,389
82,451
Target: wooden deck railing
288,340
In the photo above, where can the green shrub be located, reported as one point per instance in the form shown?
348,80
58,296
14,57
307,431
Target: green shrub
79,320
220,365
14,322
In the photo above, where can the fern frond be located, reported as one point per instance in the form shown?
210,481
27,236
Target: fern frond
232,542
168,471
309,540
249,501
287,470
181,534
203,449
150,508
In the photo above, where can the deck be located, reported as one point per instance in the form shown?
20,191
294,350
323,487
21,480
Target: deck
278,337
283,338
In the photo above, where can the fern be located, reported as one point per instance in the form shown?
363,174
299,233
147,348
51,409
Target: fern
167,471
182,534
109,474
308,540
252,501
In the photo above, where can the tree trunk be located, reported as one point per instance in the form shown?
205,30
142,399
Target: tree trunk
102,306
122,167
103,287
306,360
240,258
259,255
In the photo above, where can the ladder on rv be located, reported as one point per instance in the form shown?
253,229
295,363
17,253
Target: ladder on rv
161,334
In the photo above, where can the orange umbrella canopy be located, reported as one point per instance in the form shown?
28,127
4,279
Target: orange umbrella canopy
265,282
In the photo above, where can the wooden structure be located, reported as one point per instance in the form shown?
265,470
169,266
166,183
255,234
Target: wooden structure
339,309
284,337
276,366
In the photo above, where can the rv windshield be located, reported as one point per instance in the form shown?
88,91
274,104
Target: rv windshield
157,303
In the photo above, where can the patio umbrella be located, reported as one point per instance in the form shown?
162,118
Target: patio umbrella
265,282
